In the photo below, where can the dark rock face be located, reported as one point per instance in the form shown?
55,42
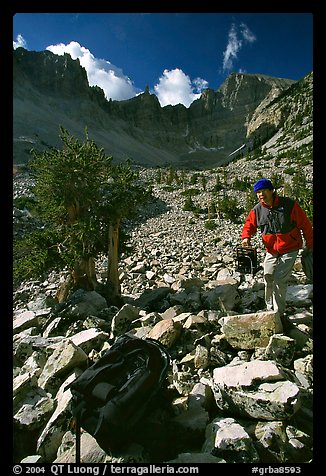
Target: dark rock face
51,74
52,90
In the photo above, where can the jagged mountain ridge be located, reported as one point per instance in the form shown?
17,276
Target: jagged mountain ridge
52,90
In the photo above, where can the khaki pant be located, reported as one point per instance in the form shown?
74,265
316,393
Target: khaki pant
277,270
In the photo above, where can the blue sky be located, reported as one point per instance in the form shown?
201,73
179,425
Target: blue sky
176,54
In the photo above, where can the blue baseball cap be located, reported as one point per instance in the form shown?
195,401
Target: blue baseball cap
263,183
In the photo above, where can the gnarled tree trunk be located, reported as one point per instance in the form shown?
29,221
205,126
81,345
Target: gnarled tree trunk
81,276
113,260
84,274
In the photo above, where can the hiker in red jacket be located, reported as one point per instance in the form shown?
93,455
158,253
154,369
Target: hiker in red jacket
282,223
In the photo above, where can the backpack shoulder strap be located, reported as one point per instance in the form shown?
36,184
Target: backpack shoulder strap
77,459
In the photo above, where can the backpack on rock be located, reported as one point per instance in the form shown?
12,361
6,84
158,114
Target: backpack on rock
112,395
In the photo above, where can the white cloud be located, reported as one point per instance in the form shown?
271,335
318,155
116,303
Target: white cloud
235,44
100,72
200,84
20,42
175,87
247,34
232,48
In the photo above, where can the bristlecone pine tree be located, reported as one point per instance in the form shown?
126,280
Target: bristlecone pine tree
81,198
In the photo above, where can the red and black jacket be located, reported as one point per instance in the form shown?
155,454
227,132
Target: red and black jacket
280,224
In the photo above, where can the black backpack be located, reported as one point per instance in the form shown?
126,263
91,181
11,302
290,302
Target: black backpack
247,260
112,395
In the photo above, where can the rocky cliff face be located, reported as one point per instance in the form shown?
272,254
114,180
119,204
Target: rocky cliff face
290,109
51,74
51,90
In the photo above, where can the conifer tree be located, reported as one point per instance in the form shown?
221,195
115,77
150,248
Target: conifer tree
81,198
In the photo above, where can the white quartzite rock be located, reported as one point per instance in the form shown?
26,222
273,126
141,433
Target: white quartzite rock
257,389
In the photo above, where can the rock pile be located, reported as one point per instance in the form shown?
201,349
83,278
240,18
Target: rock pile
240,383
